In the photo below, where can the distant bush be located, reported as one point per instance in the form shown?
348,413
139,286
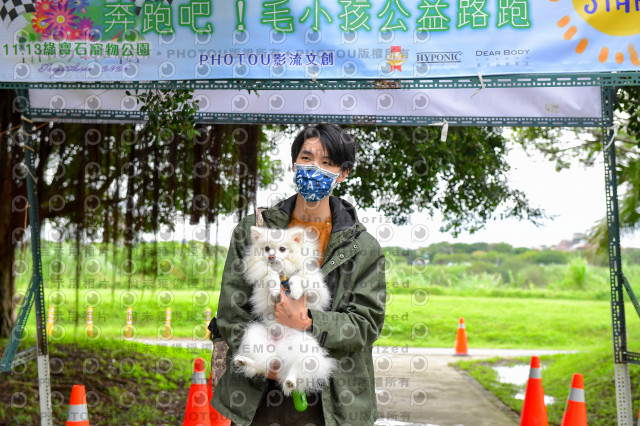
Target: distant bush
445,259
482,269
449,276
479,267
494,257
631,255
500,247
534,275
514,263
545,257
576,275
462,248
479,247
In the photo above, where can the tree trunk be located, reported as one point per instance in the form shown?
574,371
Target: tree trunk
7,283
10,155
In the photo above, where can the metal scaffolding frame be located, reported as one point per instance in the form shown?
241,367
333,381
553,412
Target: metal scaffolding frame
622,356
619,284
35,290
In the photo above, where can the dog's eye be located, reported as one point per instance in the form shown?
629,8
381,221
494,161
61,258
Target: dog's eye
267,248
283,249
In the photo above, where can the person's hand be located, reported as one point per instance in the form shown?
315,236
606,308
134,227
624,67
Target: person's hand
292,313
273,373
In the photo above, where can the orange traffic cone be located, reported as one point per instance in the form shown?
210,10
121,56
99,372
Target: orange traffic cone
575,412
534,412
197,411
461,339
210,387
78,415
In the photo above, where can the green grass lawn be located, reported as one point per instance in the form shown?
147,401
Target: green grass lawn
491,322
506,322
596,365
126,382
149,308
533,307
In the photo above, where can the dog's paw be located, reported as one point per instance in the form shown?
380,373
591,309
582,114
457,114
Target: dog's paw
275,294
272,280
296,293
296,281
289,385
245,366
295,287
240,361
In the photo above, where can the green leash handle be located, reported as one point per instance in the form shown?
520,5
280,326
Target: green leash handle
299,400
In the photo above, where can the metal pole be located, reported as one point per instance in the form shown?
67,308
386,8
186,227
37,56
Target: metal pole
621,368
44,378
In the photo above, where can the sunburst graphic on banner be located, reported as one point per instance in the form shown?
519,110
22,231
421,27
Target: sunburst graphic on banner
615,18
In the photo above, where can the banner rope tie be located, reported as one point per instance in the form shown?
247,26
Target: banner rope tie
445,129
615,128
482,85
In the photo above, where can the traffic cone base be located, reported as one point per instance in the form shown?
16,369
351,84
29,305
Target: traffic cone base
534,412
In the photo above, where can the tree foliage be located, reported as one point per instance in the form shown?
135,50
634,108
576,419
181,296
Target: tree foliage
566,146
114,182
402,169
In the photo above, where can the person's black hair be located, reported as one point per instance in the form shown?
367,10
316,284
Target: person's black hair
337,142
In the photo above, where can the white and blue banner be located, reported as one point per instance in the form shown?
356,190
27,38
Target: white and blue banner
125,40
580,105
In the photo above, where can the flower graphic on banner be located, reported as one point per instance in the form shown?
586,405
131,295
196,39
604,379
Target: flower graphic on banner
39,24
60,19
43,6
69,20
621,21
85,24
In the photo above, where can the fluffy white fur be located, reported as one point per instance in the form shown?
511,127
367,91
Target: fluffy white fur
304,365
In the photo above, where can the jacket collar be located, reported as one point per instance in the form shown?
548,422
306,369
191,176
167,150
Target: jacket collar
343,215
345,227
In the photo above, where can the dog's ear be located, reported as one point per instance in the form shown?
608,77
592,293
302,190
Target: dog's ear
256,232
297,234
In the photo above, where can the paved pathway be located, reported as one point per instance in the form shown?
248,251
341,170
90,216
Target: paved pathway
417,387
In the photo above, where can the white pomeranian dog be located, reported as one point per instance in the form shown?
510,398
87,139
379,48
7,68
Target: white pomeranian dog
304,365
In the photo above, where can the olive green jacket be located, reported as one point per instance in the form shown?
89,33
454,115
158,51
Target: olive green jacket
354,269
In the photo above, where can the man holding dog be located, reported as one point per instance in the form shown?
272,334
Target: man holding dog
353,264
